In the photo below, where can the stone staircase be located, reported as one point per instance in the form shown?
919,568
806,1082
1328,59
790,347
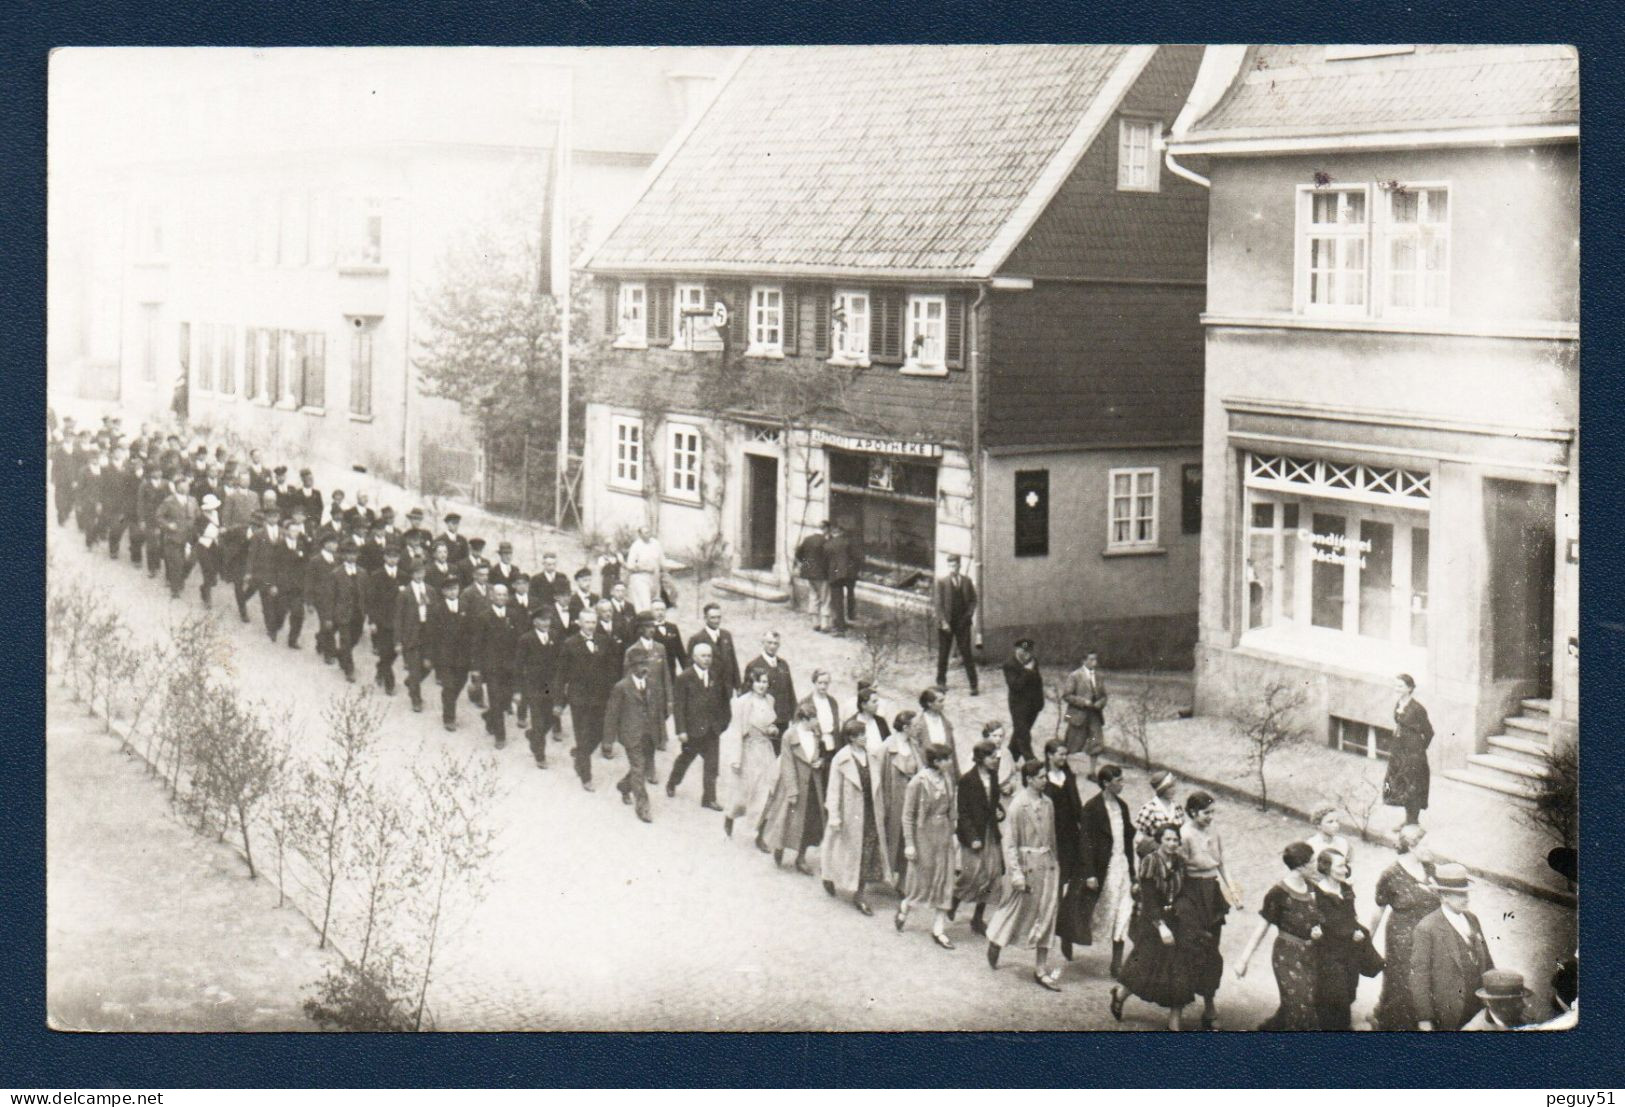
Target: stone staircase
752,585
1512,763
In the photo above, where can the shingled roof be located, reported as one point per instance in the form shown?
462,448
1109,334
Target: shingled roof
1304,91
902,161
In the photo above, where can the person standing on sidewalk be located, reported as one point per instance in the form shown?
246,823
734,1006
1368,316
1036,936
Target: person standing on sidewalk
1025,682
411,630
844,559
956,614
631,719
701,712
590,665
812,565
1407,781
536,667
1084,694
645,561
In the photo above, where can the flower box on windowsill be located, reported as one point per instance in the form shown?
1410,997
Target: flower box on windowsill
629,344
775,353
360,417
914,368
1133,551
841,362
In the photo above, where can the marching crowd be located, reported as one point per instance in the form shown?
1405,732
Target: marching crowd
883,802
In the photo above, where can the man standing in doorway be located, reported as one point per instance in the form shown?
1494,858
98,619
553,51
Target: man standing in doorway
956,613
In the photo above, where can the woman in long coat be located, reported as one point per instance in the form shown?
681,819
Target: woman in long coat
1157,966
1404,898
980,810
1407,782
900,759
1290,910
931,727
928,843
1338,953
794,818
1032,882
1061,786
752,764
850,855
1107,864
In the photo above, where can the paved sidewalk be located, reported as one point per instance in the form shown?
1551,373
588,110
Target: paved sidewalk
150,926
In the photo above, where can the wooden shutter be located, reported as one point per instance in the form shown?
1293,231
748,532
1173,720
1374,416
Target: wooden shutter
792,305
315,370
738,301
612,296
251,365
821,300
886,325
660,329
953,342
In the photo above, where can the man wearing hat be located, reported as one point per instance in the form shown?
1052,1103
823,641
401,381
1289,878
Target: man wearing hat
648,648
287,492
1025,683
503,570
260,478
633,719
87,496
175,518
207,543
144,540
477,591
292,567
347,608
310,496
120,482
318,593
412,605
237,517
416,530
383,591
456,544
1506,1002
589,667
448,649
64,467
1449,956
536,672
583,598
371,558
475,561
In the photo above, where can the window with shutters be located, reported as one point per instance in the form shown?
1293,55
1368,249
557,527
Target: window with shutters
695,327
926,335
312,383
849,327
626,461
1137,166
360,231
361,371
766,321
291,361
660,299
251,363
886,326
683,462
1132,505
226,367
632,315
272,343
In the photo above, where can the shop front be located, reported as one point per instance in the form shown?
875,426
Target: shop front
889,503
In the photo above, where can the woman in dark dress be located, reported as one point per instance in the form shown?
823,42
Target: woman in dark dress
1337,953
1203,903
1061,786
1406,784
1156,969
1404,898
1108,864
1290,910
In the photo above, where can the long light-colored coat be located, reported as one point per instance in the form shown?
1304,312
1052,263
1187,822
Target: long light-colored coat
929,813
794,817
841,854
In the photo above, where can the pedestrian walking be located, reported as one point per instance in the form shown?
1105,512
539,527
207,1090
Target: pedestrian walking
1031,894
701,711
1061,786
1343,945
589,665
795,812
536,668
670,638
1407,781
383,591
750,754
646,645
548,582
176,517
645,561
630,719
1449,955
932,727
1157,969
1506,1002
979,811
1157,811
875,729
928,843
1108,864
1024,681
724,660
289,565
1205,899
901,756
153,493
346,608
495,649
318,594
1084,695
411,624
1328,833
955,597
206,541
812,565
1291,911
1403,899
448,640
850,855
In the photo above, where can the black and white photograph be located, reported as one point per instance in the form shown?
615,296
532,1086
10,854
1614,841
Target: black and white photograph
1006,537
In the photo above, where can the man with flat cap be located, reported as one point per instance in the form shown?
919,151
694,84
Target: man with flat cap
347,607
456,544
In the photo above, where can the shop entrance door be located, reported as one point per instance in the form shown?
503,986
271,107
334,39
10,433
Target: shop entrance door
1521,518
761,511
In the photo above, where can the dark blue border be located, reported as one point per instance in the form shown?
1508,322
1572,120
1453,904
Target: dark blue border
32,1056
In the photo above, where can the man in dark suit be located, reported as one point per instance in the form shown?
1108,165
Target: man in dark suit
980,810
318,593
626,617
549,582
702,707
152,494
413,602
956,612
383,590
238,526
119,485
609,629
440,570
812,565
348,589
1449,956
632,718
503,570
724,661
259,473
780,684
495,648
64,466
844,561
310,496
469,568
647,646
373,547
536,670
589,667
416,530
477,590
559,620
1025,682
582,598
449,650
669,637
176,517
456,544
290,577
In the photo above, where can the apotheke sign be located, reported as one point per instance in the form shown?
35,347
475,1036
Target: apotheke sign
875,445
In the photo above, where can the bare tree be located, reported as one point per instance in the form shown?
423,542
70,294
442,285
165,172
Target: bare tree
104,633
323,828
240,764
708,559
379,858
121,666
1136,712
1271,719
455,841
1360,799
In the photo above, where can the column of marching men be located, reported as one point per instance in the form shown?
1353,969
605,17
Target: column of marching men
885,803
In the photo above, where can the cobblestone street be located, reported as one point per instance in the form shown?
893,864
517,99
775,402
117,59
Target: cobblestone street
597,921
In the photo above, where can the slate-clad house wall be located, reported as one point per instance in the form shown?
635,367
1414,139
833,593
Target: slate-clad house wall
985,180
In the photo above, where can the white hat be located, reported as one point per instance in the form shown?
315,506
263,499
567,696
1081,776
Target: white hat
210,502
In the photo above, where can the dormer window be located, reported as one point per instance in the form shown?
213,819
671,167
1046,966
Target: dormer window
1137,155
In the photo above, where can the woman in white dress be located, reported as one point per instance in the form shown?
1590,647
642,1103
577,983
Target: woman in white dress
753,770
1108,863
644,562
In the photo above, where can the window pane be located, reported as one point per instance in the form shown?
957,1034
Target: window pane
1264,515
1438,205
1376,578
1354,209
1405,206
1326,576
